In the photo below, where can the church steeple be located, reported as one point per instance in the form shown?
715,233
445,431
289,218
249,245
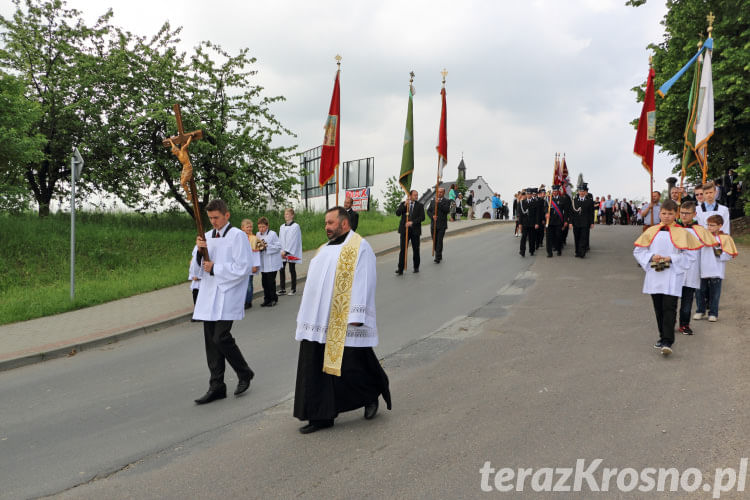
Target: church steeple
462,168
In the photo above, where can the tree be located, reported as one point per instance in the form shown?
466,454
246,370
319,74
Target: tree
683,22
394,195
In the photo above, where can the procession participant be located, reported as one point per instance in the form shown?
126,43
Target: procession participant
415,215
698,194
195,273
521,195
556,217
221,298
713,261
529,225
674,195
664,253
470,204
351,213
337,370
541,201
582,219
270,261
711,207
439,222
652,209
247,228
693,275
290,237
566,201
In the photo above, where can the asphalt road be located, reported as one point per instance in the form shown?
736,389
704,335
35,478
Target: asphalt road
65,422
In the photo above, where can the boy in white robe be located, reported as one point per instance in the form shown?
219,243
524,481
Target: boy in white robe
221,299
713,261
290,236
320,396
710,206
270,261
247,228
664,252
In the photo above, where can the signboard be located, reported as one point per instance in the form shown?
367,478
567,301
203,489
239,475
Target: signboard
360,199
359,173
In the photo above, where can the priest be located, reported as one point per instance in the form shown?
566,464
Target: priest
337,370
222,298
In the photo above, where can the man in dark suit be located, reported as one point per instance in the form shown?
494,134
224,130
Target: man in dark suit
353,215
439,222
411,219
529,217
583,220
556,216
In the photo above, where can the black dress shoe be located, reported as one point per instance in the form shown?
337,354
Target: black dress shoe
314,427
370,410
243,385
265,304
415,270
549,255
398,273
212,395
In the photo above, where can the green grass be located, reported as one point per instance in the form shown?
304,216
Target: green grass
743,240
117,255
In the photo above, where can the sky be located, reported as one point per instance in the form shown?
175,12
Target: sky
526,79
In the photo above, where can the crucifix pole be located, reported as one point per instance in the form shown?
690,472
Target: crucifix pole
179,145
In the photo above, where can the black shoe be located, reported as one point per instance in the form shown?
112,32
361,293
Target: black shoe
281,292
522,254
686,330
549,255
273,303
437,261
243,385
314,427
212,395
659,345
370,410
398,272
248,306
416,270
559,253
265,304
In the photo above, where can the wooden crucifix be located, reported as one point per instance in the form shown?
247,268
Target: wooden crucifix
179,145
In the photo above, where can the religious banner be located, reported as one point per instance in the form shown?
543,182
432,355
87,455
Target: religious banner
704,124
688,153
407,154
644,138
329,156
442,146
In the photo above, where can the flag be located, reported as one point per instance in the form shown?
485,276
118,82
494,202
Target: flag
442,147
707,45
329,156
407,155
644,138
704,122
565,179
688,152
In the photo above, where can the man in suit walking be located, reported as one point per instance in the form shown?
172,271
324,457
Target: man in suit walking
583,220
411,219
439,222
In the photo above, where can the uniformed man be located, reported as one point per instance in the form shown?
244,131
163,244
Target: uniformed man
556,217
439,222
582,219
541,213
529,221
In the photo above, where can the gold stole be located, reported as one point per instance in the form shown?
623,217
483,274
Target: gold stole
681,238
727,245
338,318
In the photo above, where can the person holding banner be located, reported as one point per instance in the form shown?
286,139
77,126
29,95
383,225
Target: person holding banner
439,222
411,222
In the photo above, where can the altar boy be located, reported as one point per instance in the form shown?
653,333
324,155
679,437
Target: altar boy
713,261
222,298
664,251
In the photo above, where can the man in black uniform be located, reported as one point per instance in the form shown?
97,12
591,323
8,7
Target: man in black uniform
566,201
415,213
557,217
583,219
529,221
541,214
353,215
439,222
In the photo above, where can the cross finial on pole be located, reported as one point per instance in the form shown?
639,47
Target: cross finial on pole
710,18
444,73
338,60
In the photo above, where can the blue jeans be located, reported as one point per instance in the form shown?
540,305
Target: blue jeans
708,295
249,295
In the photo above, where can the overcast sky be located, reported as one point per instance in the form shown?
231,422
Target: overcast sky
525,79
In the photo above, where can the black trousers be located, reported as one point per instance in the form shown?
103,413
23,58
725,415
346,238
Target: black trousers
686,305
438,236
292,274
581,237
665,308
554,239
195,294
565,235
220,346
269,287
528,233
539,236
414,239
609,214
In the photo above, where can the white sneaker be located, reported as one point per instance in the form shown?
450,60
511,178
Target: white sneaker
291,293
699,316
713,319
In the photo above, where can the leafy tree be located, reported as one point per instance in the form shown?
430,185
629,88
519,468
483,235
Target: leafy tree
394,195
683,23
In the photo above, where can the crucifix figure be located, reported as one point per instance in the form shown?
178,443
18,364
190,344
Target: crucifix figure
179,145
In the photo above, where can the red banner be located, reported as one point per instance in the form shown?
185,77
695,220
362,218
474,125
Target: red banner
329,156
442,147
644,138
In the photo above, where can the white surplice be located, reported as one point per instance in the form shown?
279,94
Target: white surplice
291,242
670,280
222,295
195,271
270,258
312,319
711,265
702,215
693,274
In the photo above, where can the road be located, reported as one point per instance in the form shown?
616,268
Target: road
65,422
